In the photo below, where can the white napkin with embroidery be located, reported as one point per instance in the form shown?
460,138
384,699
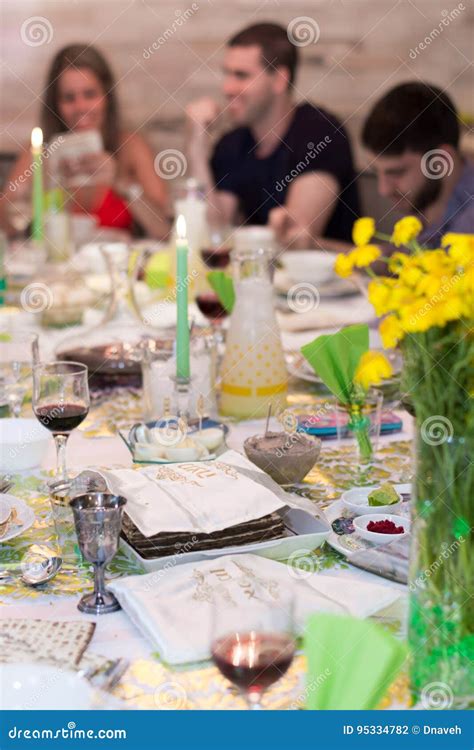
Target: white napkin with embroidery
200,497
164,604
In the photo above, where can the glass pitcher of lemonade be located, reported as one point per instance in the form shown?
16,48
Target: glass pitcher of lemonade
253,371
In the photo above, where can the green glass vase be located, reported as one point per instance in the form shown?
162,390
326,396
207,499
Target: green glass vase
441,612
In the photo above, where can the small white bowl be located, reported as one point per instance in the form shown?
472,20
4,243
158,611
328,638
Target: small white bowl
360,525
23,444
357,501
310,266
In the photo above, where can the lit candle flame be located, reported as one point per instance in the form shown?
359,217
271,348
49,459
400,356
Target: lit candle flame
181,227
36,138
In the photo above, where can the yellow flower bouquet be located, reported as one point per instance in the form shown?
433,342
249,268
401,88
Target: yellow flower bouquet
426,306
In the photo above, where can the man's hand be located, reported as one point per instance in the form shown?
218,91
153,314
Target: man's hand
200,119
287,230
201,115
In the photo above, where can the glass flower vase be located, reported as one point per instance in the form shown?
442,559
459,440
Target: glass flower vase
360,421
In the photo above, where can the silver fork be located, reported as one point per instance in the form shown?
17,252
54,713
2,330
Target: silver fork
5,484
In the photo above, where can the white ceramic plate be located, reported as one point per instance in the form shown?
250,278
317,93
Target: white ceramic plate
309,266
25,517
5,509
347,544
42,687
307,533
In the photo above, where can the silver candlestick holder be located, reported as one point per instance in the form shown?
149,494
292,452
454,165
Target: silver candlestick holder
98,521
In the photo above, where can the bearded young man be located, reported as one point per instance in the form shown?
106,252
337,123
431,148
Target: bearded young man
412,136
279,154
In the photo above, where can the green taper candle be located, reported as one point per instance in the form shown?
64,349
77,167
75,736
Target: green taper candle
38,195
182,327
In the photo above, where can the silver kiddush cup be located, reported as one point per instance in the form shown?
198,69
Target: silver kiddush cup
98,520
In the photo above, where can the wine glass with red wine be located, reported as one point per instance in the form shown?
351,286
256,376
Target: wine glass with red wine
216,254
60,403
256,654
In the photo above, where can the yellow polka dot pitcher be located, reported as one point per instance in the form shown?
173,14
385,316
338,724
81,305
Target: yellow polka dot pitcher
253,371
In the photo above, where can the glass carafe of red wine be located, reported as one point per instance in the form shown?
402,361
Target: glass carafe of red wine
112,349
253,371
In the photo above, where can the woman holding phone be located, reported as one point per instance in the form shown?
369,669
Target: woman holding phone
116,182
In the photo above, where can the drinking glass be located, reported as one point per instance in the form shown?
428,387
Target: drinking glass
61,403
363,429
19,354
216,254
254,655
98,521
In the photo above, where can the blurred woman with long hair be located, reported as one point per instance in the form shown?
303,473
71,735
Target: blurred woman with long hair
121,188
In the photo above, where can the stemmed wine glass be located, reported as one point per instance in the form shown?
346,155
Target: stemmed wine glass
19,353
216,254
61,403
255,655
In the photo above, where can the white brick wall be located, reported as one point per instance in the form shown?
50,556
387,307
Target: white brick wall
363,49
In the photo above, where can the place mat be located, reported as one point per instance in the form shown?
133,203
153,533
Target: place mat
111,414
150,685
73,579
60,643
336,471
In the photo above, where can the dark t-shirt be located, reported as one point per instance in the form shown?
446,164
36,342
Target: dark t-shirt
314,142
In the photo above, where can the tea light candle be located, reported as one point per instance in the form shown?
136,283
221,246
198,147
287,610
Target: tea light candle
38,196
182,326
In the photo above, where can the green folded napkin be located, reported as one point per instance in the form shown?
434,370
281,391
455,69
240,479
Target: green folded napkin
223,286
334,357
351,662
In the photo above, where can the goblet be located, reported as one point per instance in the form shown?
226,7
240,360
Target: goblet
98,520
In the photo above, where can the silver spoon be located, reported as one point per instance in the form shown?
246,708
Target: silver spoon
36,572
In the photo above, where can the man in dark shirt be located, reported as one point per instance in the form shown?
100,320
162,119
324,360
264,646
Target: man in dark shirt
280,153
412,136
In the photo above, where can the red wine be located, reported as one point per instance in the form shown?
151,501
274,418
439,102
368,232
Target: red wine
61,418
209,305
216,257
253,661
